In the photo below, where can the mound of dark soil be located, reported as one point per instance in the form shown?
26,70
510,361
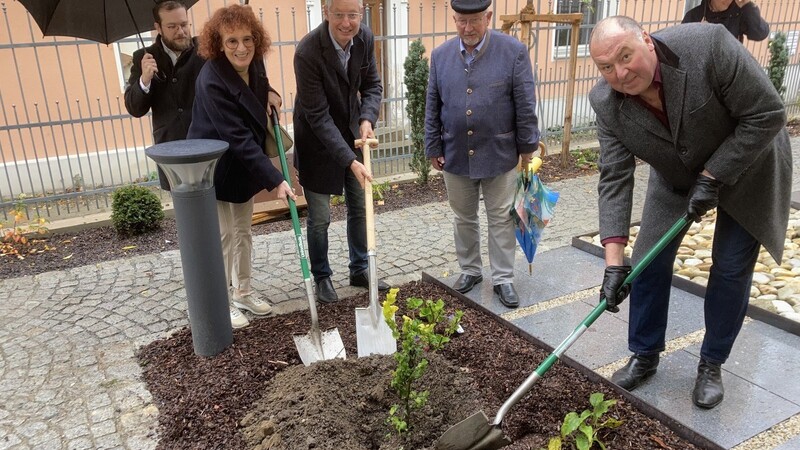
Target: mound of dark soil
258,392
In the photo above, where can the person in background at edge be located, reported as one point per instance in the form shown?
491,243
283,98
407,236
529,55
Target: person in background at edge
712,127
231,105
163,76
741,17
338,101
480,120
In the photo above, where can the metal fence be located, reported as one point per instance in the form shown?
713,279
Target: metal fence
66,140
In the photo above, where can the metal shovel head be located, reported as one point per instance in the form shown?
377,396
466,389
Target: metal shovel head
373,335
473,433
319,346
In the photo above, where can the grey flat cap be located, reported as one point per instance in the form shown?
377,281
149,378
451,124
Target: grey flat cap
470,6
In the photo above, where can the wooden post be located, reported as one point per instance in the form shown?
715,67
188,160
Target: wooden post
527,16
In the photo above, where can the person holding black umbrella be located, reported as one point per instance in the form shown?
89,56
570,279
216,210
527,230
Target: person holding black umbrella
231,105
163,76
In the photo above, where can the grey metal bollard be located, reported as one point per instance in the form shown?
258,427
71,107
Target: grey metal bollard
189,166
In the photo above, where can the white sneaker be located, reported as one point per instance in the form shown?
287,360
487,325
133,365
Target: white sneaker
238,320
251,303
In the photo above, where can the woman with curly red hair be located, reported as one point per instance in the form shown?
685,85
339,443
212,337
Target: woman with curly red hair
231,104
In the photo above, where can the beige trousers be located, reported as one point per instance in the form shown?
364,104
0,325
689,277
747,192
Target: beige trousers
463,193
235,221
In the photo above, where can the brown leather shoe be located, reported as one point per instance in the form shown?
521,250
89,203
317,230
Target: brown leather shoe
708,390
638,369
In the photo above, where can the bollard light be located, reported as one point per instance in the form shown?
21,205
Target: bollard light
189,165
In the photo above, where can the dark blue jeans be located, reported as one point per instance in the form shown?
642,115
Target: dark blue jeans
734,255
319,218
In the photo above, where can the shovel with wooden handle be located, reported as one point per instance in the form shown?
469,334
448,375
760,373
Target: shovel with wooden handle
316,345
373,335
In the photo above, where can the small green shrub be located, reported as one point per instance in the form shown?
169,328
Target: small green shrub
135,210
778,60
582,431
585,158
379,190
416,81
337,200
417,336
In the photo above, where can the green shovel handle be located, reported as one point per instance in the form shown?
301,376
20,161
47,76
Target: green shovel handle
676,229
298,235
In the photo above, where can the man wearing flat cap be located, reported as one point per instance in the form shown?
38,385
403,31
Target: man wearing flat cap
480,119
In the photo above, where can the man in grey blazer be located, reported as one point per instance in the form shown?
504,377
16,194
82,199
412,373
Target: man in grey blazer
480,119
694,104
338,101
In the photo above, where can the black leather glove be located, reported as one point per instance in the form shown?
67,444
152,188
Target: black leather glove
612,289
705,196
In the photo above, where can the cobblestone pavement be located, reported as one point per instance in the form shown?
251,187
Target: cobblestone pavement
68,375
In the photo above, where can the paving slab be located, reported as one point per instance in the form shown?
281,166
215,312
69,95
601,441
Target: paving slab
555,273
606,340
747,410
792,444
764,355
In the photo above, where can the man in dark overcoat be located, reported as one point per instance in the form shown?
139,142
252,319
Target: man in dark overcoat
695,105
163,76
338,101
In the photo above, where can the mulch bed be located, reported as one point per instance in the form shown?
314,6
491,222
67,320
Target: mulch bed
68,250
257,392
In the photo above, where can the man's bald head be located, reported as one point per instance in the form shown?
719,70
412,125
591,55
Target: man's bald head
613,25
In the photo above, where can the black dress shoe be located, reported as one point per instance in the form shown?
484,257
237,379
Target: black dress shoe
362,280
465,282
638,369
708,390
325,291
508,295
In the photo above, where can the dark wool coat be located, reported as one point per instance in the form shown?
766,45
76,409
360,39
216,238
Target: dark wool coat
225,108
170,100
330,106
725,116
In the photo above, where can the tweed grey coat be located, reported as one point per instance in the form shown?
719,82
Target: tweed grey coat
724,116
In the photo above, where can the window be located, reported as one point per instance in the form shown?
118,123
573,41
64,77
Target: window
124,51
689,5
592,13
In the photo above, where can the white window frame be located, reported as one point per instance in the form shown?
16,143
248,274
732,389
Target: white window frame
126,47
562,51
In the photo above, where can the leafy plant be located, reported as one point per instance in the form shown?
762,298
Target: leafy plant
135,210
778,60
337,200
417,336
16,238
416,81
379,190
581,431
585,158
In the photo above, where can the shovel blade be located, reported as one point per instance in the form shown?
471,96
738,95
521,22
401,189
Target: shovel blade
373,335
473,433
319,346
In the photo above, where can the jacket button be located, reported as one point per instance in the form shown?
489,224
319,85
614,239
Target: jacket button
180,110
469,112
174,80
469,90
471,152
469,133
684,151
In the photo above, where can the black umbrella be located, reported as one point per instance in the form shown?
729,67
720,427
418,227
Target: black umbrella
103,21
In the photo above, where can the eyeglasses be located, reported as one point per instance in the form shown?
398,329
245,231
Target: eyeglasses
341,16
474,22
173,27
233,43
